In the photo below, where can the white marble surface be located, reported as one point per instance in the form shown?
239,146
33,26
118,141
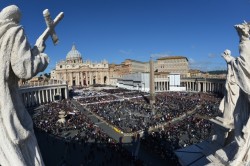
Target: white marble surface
239,68
18,145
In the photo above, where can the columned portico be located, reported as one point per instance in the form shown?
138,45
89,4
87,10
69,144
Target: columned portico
33,96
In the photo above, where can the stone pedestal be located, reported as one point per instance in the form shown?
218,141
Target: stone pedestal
223,132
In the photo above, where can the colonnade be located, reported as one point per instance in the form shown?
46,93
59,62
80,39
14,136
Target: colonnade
162,86
204,86
35,96
195,84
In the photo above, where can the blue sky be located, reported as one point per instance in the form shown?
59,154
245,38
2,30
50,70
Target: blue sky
137,29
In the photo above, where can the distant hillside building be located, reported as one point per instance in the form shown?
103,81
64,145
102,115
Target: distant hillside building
173,64
81,73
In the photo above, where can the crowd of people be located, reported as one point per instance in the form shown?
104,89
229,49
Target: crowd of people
136,114
47,119
77,128
132,113
97,99
165,141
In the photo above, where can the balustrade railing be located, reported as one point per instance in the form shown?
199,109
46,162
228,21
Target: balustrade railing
42,83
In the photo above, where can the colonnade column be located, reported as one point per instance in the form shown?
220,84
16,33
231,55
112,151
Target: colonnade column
70,79
66,93
90,78
81,73
199,86
87,78
43,98
50,94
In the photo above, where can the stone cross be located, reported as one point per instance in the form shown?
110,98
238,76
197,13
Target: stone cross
50,31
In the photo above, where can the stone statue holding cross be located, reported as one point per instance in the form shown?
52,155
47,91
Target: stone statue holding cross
18,60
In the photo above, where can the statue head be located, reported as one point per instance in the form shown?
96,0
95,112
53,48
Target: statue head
243,30
12,13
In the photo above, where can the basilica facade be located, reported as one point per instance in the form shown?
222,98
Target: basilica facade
77,72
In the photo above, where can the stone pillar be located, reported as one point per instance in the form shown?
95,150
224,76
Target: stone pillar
152,83
77,78
43,99
50,95
108,79
71,79
101,76
39,97
87,79
81,73
47,96
90,78
205,87
66,92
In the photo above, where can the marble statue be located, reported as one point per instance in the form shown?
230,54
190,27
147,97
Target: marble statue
230,143
18,60
239,98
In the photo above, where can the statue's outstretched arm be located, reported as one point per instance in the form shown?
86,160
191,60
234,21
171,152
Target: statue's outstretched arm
227,56
27,62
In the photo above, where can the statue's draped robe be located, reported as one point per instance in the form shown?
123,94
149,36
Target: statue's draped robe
18,144
241,70
228,103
